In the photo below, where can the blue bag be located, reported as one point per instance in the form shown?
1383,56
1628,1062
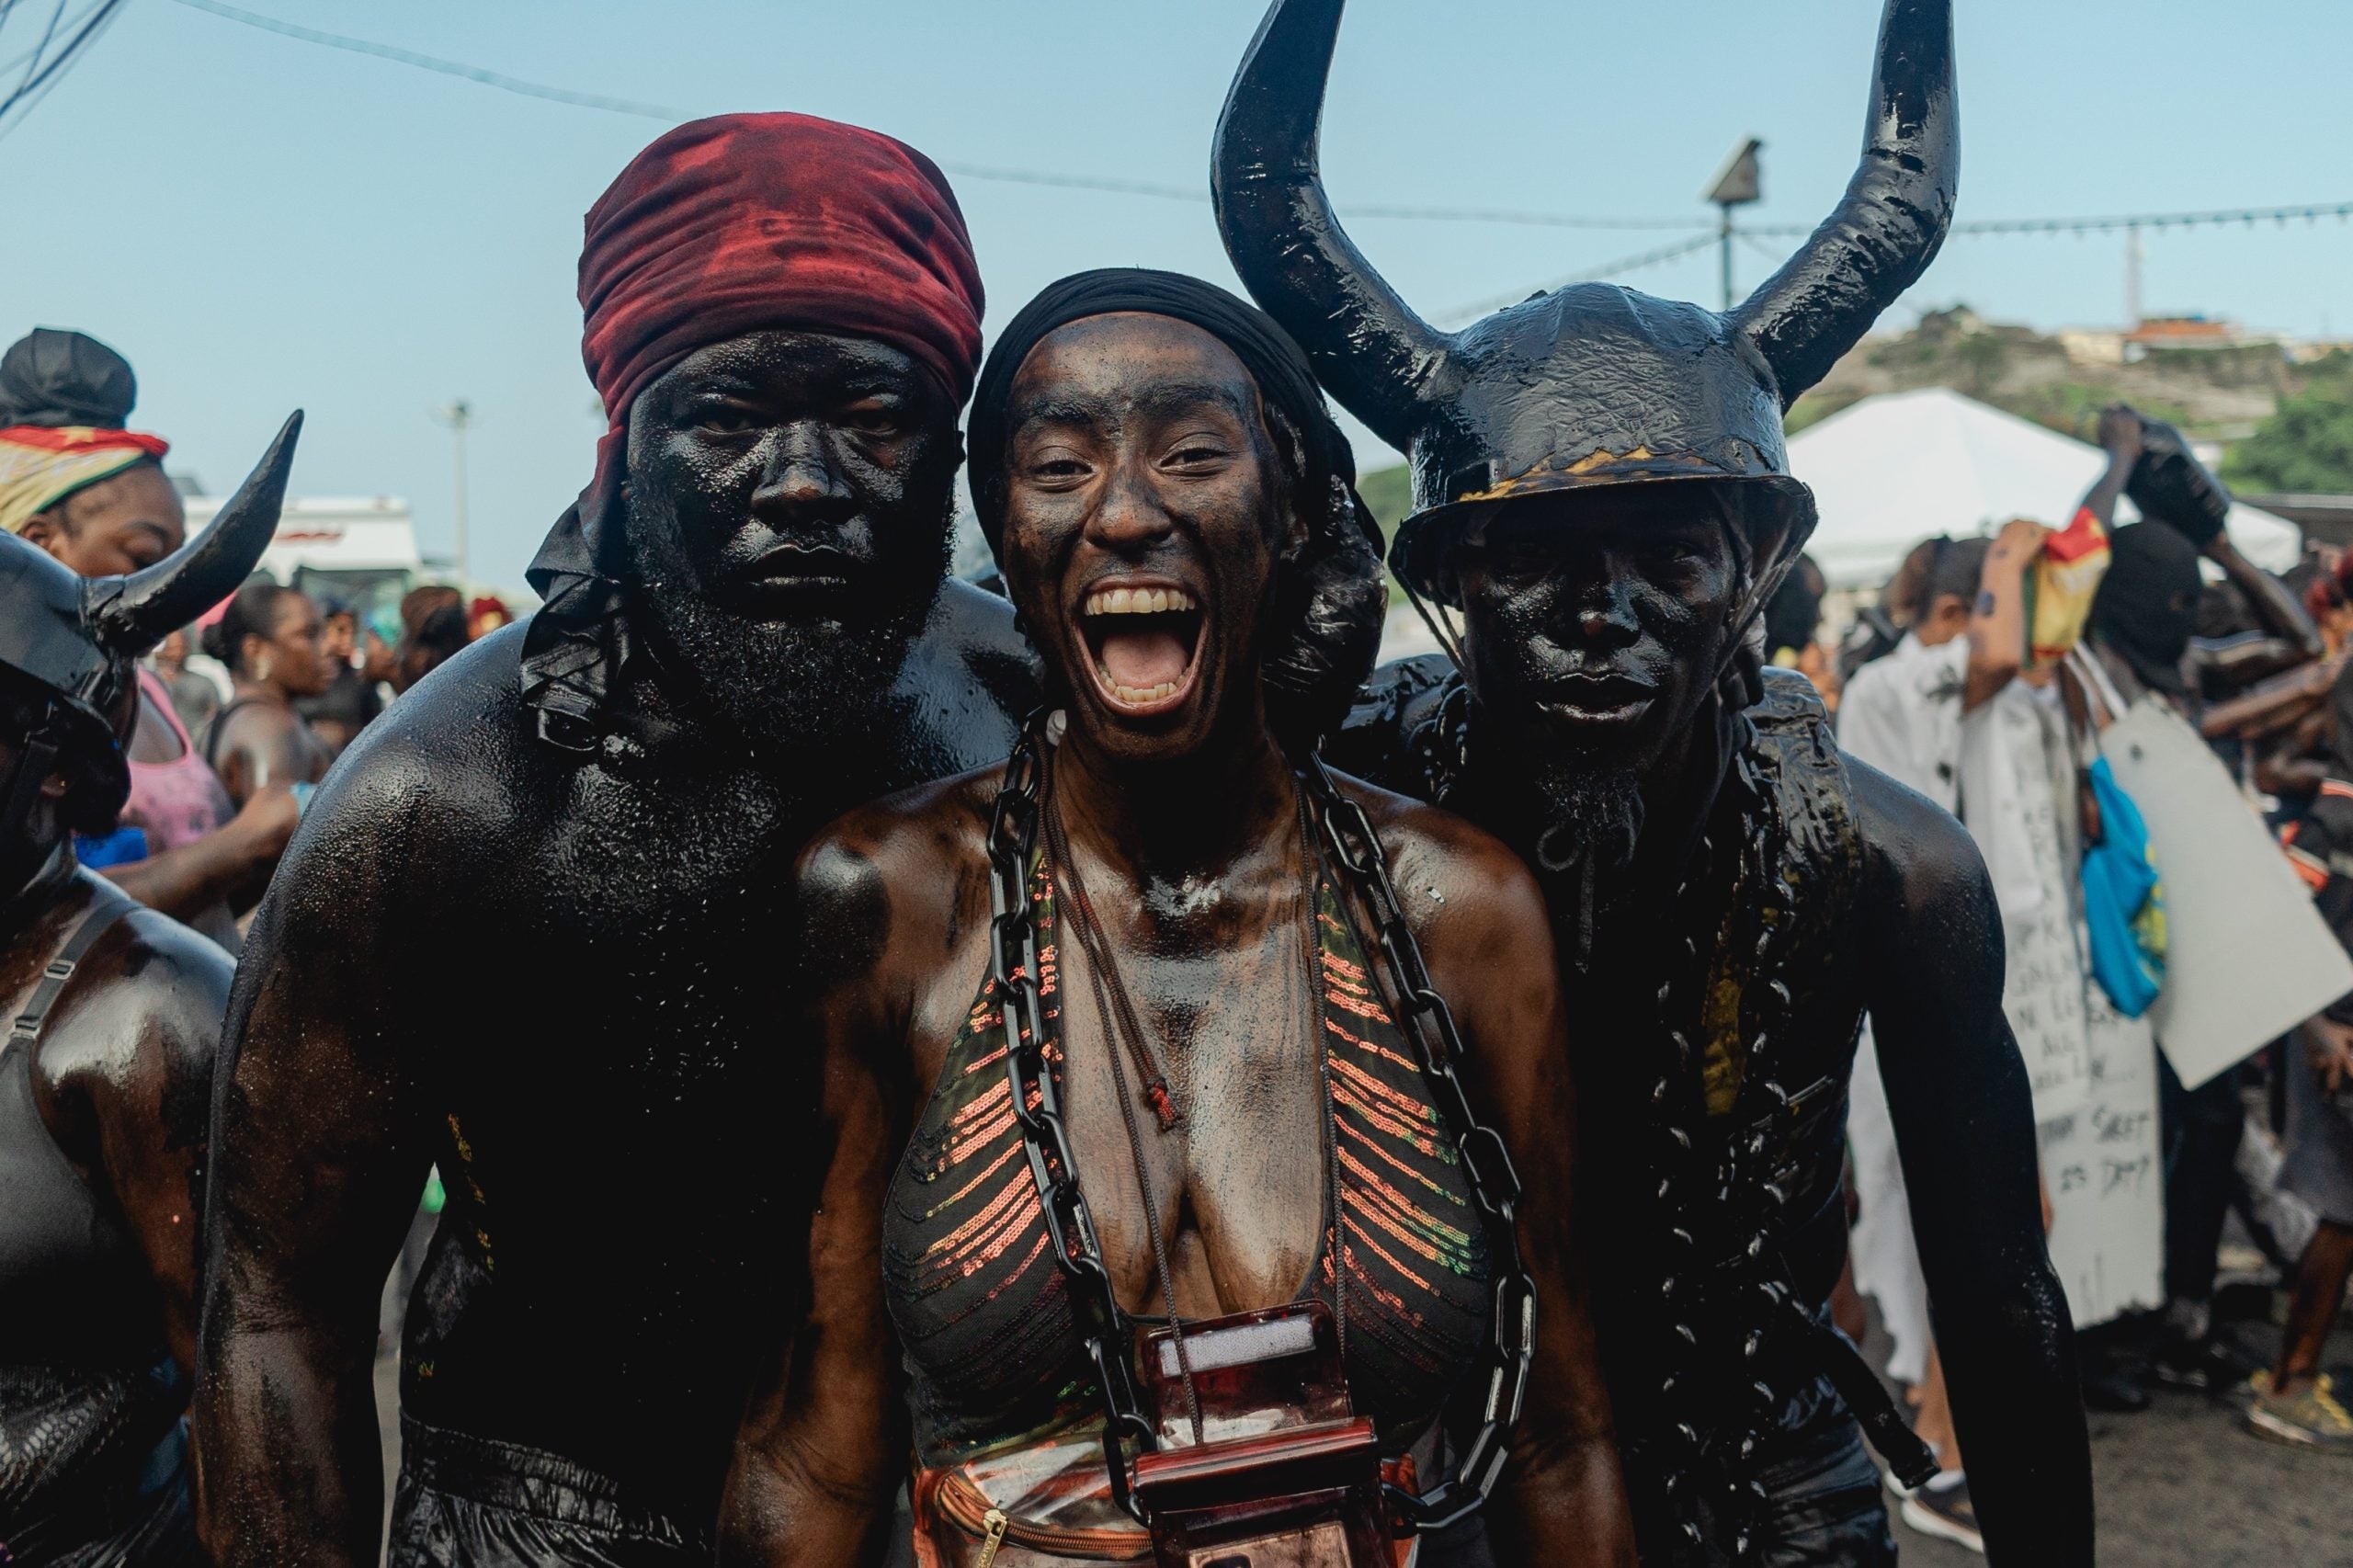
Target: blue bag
2124,900
120,848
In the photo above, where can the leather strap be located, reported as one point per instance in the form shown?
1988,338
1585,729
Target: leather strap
1865,1397
96,922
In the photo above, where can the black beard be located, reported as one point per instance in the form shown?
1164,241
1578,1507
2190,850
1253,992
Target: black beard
788,686
1592,813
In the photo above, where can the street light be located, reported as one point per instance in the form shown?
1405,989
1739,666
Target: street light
1738,184
456,415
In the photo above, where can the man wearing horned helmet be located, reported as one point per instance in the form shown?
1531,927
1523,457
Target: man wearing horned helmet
110,1017
1603,508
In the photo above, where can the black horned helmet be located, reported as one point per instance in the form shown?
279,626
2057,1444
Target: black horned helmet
1591,384
75,639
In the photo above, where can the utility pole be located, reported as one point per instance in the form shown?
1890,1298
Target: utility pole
1738,184
2131,277
456,415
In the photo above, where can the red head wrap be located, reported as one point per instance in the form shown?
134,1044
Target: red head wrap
721,227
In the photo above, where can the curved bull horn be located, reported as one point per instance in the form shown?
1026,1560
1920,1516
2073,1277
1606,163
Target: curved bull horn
131,615
1369,347
1893,218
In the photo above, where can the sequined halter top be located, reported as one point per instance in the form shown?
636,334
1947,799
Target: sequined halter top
993,1350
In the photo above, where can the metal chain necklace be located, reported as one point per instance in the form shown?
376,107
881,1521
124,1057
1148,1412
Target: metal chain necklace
1118,1011
1421,1014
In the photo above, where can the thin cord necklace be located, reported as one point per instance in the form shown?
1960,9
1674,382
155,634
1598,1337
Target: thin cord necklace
1118,1010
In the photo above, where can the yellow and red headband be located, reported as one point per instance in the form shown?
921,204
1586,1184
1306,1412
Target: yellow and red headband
41,466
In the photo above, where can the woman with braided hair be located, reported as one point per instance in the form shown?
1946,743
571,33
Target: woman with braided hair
1187,1232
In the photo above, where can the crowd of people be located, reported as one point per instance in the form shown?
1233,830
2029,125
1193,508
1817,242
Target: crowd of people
1433,1144
1948,685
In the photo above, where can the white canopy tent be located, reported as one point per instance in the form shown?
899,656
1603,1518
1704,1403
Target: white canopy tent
1902,467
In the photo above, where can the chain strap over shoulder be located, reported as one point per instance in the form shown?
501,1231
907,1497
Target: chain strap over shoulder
1422,1016
1037,1108
1425,1020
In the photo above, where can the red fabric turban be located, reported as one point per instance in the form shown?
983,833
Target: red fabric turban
721,227
728,225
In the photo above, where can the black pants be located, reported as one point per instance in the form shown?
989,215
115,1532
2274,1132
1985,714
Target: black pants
1822,1505
466,1502
2202,1129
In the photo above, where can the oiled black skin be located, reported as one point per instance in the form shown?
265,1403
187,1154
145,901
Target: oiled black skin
1136,454
1618,590
121,1075
558,978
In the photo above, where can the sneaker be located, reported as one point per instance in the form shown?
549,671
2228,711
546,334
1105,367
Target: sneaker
2201,1366
2115,1389
2311,1418
1942,1509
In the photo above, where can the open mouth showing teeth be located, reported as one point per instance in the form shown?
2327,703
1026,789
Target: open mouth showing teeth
1142,645
1598,700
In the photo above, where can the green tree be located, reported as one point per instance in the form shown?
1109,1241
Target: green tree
2305,447
1389,493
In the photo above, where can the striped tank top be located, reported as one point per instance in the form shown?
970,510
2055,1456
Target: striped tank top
997,1365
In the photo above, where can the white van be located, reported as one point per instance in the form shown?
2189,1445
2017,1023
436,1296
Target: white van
357,551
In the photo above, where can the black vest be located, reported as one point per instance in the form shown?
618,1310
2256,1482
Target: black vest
1713,1030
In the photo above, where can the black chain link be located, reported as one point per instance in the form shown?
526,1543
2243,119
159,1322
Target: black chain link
1036,1105
1425,1019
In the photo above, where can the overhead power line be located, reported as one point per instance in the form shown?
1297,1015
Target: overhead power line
504,84
1601,274
2107,224
1197,196
46,66
540,90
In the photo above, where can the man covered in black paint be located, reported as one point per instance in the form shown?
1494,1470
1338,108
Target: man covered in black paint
526,932
1603,496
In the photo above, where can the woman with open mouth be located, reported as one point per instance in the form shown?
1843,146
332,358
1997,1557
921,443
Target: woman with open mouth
1221,1235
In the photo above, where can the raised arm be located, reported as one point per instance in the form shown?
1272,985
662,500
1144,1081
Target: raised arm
2268,597
1489,947
1964,1128
2120,437
231,866
823,1446
319,1149
1998,627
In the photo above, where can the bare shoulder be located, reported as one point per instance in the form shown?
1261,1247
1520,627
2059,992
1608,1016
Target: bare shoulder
147,1002
455,763
906,862
1463,890
1918,858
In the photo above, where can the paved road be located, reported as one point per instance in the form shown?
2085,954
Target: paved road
2182,1486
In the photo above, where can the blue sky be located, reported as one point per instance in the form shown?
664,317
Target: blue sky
259,222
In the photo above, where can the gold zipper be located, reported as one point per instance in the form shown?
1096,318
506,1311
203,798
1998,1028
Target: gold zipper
993,1522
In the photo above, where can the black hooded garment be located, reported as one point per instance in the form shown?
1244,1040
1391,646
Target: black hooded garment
2147,605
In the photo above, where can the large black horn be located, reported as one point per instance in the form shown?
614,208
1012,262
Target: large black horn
131,615
1888,226
1368,348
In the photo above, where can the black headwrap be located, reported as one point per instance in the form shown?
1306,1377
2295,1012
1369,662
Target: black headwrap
2147,605
1330,601
60,380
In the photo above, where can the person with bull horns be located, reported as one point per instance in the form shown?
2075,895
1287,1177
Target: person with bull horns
112,1015
1604,506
